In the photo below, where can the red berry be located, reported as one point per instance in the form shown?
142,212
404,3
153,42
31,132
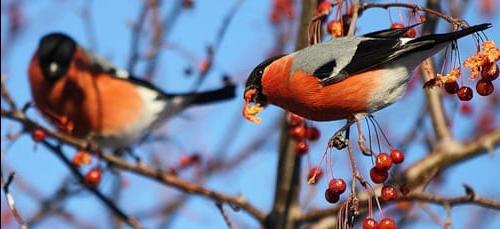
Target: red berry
338,185
383,161
378,176
411,33
397,156
331,196
369,223
488,74
335,28
387,223
187,3
397,26
172,171
93,177
388,193
81,158
38,134
301,147
295,120
451,87
314,175
465,93
484,87
276,16
313,133
324,7
465,108
298,132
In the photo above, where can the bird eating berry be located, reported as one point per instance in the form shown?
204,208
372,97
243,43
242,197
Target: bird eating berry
344,77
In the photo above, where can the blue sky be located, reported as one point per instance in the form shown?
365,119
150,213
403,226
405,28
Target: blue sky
248,40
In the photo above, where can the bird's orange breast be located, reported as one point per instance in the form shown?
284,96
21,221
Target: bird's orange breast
92,103
304,95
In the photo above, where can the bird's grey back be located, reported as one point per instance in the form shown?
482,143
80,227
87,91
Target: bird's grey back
341,50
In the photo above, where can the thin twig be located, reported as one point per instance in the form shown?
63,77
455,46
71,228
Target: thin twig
224,215
57,150
10,199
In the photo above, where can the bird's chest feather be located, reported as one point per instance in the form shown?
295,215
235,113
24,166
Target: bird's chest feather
302,93
113,112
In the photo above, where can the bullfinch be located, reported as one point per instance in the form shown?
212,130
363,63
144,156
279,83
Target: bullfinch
344,77
87,97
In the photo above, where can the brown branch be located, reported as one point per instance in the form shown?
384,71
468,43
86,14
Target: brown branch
286,197
428,10
136,32
88,25
435,103
51,205
452,201
145,171
10,200
354,18
6,96
421,171
224,215
449,154
112,206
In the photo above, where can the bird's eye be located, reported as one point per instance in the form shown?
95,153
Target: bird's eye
55,53
260,72
53,67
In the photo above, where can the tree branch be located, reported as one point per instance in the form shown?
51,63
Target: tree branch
286,197
10,200
143,170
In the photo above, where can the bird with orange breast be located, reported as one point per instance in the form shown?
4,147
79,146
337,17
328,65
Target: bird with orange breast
87,97
345,77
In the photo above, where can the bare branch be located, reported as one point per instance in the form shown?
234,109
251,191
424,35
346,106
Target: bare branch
10,199
452,201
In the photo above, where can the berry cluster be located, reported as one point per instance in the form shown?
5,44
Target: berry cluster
339,26
336,187
385,223
383,162
411,33
301,132
282,9
92,177
483,67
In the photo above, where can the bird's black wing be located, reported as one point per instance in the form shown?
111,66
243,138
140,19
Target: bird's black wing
394,33
100,64
369,53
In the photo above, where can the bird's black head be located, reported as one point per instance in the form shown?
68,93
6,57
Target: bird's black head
55,53
253,87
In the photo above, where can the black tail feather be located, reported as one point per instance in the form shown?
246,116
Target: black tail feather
225,93
446,37
390,33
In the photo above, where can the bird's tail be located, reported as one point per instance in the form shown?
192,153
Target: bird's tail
198,98
390,33
224,93
429,41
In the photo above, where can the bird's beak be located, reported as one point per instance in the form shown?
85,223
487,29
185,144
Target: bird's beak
251,107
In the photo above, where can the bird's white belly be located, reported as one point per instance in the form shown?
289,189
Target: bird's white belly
390,87
151,112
